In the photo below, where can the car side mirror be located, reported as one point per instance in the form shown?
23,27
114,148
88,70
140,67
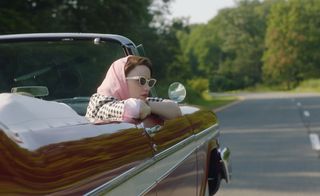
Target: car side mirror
177,92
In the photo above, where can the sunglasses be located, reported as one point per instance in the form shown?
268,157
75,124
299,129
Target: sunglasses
142,80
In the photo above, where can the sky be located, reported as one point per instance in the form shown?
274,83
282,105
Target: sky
199,11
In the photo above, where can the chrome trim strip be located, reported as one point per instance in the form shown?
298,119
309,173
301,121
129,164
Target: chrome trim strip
174,148
176,165
121,178
192,142
205,132
56,36
167,172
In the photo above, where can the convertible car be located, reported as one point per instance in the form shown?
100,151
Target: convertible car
48,147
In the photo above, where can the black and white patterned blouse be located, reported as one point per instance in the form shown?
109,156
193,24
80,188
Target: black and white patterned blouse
103,107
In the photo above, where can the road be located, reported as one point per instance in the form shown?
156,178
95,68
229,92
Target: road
269,137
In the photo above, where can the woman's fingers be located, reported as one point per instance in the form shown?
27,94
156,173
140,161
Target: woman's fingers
145,110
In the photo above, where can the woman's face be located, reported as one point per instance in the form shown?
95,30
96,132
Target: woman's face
135,89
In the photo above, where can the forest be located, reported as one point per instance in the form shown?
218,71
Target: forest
270,42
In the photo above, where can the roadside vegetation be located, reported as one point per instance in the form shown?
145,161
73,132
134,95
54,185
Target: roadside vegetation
213,102
312,85
216,100
199,94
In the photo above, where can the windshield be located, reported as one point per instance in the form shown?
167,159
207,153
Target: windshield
68,68
67,71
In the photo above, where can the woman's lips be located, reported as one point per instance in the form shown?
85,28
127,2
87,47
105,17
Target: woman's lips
144,95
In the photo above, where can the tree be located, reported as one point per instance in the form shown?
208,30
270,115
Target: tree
230,46
292,42
129,18
242,32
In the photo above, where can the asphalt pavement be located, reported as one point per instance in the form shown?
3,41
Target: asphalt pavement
273,152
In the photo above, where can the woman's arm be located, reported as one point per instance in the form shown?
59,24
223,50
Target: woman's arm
107,109
166,109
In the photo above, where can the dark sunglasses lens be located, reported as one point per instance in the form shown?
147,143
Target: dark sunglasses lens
142,81
151,82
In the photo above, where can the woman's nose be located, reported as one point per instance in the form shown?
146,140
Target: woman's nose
146,87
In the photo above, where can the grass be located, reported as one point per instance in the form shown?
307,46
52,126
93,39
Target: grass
209,101
312,85
263,88
204,99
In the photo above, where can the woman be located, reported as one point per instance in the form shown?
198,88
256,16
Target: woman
123,95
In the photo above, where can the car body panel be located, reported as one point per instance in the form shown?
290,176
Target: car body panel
183,180
79,165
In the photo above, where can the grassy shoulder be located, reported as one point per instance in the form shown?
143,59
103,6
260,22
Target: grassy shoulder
194,97
307,86
205,99
312,85
210,101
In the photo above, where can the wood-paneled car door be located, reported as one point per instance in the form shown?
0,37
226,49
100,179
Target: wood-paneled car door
175,169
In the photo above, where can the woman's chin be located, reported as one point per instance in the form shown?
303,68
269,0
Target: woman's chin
143,98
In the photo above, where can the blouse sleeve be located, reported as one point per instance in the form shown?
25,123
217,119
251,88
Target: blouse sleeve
104,108
155,99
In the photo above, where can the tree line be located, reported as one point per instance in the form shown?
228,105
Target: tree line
273,42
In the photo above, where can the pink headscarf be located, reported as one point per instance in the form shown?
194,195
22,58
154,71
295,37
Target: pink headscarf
115,83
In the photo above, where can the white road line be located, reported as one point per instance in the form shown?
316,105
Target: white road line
306,113
315,142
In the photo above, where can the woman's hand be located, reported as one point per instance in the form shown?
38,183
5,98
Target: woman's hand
135,110
166,109
145,110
